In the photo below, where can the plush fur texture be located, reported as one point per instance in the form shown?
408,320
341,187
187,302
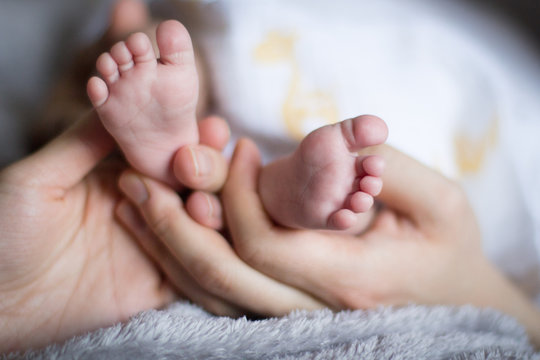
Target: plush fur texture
184,331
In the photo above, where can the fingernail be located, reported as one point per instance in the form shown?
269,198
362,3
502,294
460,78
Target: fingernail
202,163
133,187
214,215
210,209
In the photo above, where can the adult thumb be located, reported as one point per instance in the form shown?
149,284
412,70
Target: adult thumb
67,159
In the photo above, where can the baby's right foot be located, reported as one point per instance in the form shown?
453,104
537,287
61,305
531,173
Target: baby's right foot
147,104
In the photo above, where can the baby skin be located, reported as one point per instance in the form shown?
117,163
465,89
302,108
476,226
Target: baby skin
148,105
324,184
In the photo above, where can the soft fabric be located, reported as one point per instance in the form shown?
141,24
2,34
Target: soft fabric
184,331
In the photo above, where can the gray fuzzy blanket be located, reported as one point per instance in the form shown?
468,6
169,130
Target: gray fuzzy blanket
184,331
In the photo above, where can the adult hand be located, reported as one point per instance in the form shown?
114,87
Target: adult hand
197,259
66,264
423,247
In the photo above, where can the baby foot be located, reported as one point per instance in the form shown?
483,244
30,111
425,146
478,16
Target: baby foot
324,184
147,104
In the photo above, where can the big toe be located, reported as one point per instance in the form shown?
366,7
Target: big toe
174,43
341,220
364,131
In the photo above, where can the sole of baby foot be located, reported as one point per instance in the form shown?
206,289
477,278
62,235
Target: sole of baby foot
324,184
148,104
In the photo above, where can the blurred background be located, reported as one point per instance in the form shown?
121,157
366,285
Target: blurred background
38,40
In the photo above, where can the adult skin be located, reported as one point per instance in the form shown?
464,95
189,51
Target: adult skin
424,246
66,264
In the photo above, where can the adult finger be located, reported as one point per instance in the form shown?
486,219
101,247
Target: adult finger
182,282
240,196
205,208
214,132
206,255
300,258
203,167
413,189
253,233
200,167
67,159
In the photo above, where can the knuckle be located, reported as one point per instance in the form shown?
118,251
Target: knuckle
161,221
251,251
213,277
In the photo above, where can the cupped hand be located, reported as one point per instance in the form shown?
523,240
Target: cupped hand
198,260
359,271
66,264
424,245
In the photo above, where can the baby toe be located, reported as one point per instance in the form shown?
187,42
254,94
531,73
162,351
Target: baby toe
341,220
140,46
123,57
363,131
372,165
371,185
360,202
97,91
174,43
107,68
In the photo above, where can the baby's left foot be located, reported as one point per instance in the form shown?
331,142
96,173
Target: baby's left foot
324,184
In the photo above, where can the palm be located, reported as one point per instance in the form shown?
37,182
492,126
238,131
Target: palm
70,256
379,257
414,250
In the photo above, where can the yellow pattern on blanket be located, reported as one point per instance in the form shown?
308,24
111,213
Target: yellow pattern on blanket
301,106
